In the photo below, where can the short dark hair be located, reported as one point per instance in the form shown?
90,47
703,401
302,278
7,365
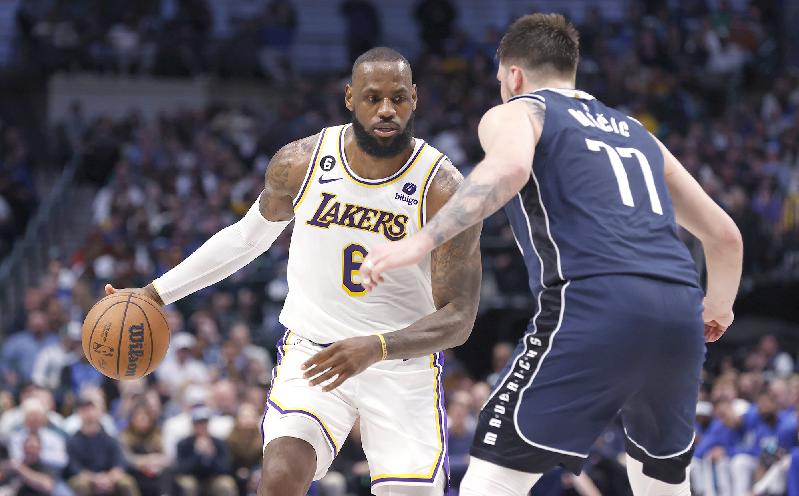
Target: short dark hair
380,54
541,42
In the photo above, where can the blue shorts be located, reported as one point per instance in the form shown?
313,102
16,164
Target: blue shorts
598,347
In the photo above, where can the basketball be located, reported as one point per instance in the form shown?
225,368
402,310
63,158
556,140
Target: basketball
125,336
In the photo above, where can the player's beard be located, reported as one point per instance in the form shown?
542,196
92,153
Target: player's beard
382,149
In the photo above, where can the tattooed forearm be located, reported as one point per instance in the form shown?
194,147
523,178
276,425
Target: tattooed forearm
498,177
455,273
481,194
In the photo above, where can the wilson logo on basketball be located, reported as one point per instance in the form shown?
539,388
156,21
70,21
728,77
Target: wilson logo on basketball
135,347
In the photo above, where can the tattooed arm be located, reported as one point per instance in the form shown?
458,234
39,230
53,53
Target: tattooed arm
238,244
284,177
508,135
455,273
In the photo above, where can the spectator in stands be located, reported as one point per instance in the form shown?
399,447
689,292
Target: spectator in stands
52,360
180,368
760,436
72,424
52,441
20,350
363,26
720,444
777,361
144,452
203,461
245,444
436,19
179,426
460,429
277,35
499,357
14,416
96,463
29,476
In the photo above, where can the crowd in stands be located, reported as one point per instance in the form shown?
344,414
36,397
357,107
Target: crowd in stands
17,186
708,83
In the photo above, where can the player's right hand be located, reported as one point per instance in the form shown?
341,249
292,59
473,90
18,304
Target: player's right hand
717,319
147,291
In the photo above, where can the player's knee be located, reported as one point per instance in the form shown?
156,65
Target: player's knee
484,477
288,467
646,484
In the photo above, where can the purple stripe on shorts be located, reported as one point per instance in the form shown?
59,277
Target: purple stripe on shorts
438,361
281,342
312,416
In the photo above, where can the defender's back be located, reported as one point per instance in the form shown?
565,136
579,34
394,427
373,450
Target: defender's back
597,202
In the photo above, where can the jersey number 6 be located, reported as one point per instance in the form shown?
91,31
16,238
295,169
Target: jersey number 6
353,257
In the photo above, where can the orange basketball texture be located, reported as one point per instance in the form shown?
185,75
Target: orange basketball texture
125,336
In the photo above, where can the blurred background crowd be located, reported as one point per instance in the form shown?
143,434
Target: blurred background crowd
714,80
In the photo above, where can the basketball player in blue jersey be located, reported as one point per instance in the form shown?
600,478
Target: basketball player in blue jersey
348,354
619,324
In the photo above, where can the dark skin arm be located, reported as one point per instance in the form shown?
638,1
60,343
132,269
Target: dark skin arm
508,134
283,180
456,272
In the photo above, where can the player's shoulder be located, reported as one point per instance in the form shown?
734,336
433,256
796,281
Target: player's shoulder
446,181
288,166
297,153
512,111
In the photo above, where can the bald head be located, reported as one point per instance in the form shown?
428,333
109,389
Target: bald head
383,54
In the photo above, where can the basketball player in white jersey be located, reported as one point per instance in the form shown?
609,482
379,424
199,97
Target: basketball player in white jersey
348,353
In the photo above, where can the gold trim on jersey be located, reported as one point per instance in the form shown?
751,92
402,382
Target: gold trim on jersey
375,183
311,171
428,180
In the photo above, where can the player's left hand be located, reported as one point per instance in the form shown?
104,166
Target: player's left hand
389,256
342,360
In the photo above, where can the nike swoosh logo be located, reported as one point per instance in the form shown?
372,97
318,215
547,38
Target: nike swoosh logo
322,180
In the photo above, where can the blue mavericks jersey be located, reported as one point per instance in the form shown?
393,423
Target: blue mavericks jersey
597,201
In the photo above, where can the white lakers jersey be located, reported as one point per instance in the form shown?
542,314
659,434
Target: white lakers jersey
339,216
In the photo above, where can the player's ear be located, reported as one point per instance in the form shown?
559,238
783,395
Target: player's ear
414,97
348,97
516,79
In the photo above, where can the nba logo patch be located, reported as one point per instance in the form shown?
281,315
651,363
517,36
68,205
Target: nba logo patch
327,163
409,188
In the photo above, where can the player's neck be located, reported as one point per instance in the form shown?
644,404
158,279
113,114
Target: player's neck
535,85
370,167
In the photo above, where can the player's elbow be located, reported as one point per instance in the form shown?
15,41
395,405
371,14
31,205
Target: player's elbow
465,323
728,237
461,336
518,174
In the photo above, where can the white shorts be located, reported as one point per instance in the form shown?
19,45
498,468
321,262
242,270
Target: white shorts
401,408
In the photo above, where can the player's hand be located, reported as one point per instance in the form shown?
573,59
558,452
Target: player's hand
717,319
342,360
147,291
389,256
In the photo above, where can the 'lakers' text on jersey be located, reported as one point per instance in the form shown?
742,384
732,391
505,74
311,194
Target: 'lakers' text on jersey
339,216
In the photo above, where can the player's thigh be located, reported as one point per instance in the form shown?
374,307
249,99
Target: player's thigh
403,426
568,377
659,418
296,409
